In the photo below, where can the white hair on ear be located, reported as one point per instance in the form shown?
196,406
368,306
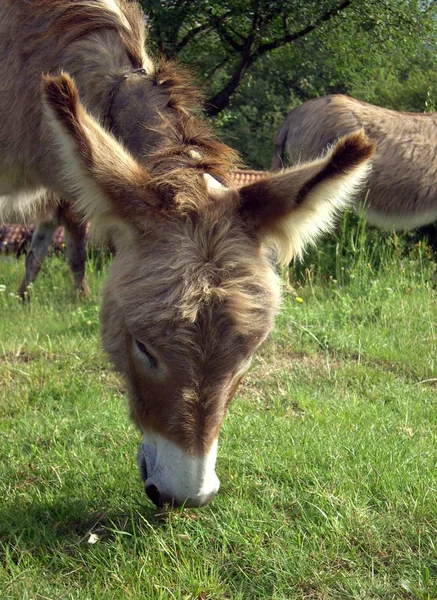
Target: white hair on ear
317,214
212,183
82,182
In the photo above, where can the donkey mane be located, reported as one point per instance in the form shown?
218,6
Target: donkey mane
187,151
188,147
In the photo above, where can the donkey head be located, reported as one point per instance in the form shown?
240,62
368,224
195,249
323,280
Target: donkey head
192,291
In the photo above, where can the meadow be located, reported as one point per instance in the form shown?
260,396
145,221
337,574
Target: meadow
327,457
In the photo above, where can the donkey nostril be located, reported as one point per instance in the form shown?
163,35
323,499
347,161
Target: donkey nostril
159,498
153,493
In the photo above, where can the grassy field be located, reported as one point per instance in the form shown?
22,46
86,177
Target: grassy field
328,456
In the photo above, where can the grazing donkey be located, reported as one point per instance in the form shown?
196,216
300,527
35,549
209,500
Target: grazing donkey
192,291
75,241
402,190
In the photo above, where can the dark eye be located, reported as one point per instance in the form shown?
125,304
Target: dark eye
142,348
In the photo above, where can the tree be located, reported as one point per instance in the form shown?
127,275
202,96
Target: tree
225,38
257,59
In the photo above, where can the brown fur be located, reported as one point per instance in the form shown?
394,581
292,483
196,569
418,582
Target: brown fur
192,279
402,191
72,20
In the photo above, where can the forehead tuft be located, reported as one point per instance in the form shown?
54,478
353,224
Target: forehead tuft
183,268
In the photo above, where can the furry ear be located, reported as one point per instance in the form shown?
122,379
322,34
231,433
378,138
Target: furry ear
104,179
291,209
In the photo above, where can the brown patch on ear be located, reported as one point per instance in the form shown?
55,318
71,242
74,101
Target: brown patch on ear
290,209
270,199
349,152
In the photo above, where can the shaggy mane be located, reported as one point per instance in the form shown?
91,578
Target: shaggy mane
188,146
187,150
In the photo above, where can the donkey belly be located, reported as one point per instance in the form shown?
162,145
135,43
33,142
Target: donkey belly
21,204
400,221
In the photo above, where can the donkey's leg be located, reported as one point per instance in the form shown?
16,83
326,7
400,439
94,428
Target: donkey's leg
287,274
75,239
41,240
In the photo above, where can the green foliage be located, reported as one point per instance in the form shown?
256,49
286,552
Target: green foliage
258,60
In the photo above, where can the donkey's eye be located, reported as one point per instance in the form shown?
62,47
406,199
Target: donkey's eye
152,359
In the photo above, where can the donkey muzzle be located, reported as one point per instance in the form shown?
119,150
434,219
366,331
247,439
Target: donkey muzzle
172,476
162,499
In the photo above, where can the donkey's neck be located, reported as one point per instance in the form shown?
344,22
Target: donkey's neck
135,114
129,107
96,63
131,104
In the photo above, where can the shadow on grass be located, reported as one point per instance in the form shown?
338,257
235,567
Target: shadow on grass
41,527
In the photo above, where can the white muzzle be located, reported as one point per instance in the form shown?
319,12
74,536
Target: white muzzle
172,476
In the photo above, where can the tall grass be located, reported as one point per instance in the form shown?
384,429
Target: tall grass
356,253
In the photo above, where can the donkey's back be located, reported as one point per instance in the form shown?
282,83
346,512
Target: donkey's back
402,190
20,105
41,37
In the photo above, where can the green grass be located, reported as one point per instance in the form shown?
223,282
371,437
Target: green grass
327,459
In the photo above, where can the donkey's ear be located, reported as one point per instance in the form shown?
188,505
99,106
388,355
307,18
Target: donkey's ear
103,178
293,208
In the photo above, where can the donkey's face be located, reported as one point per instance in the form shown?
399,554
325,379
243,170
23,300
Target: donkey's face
184,310
192,292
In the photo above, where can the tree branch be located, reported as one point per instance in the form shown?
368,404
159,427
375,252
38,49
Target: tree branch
214,70
224,34
292,37
221,100
191,35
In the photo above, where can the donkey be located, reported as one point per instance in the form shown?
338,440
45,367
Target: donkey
75,241
192,290
402,189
